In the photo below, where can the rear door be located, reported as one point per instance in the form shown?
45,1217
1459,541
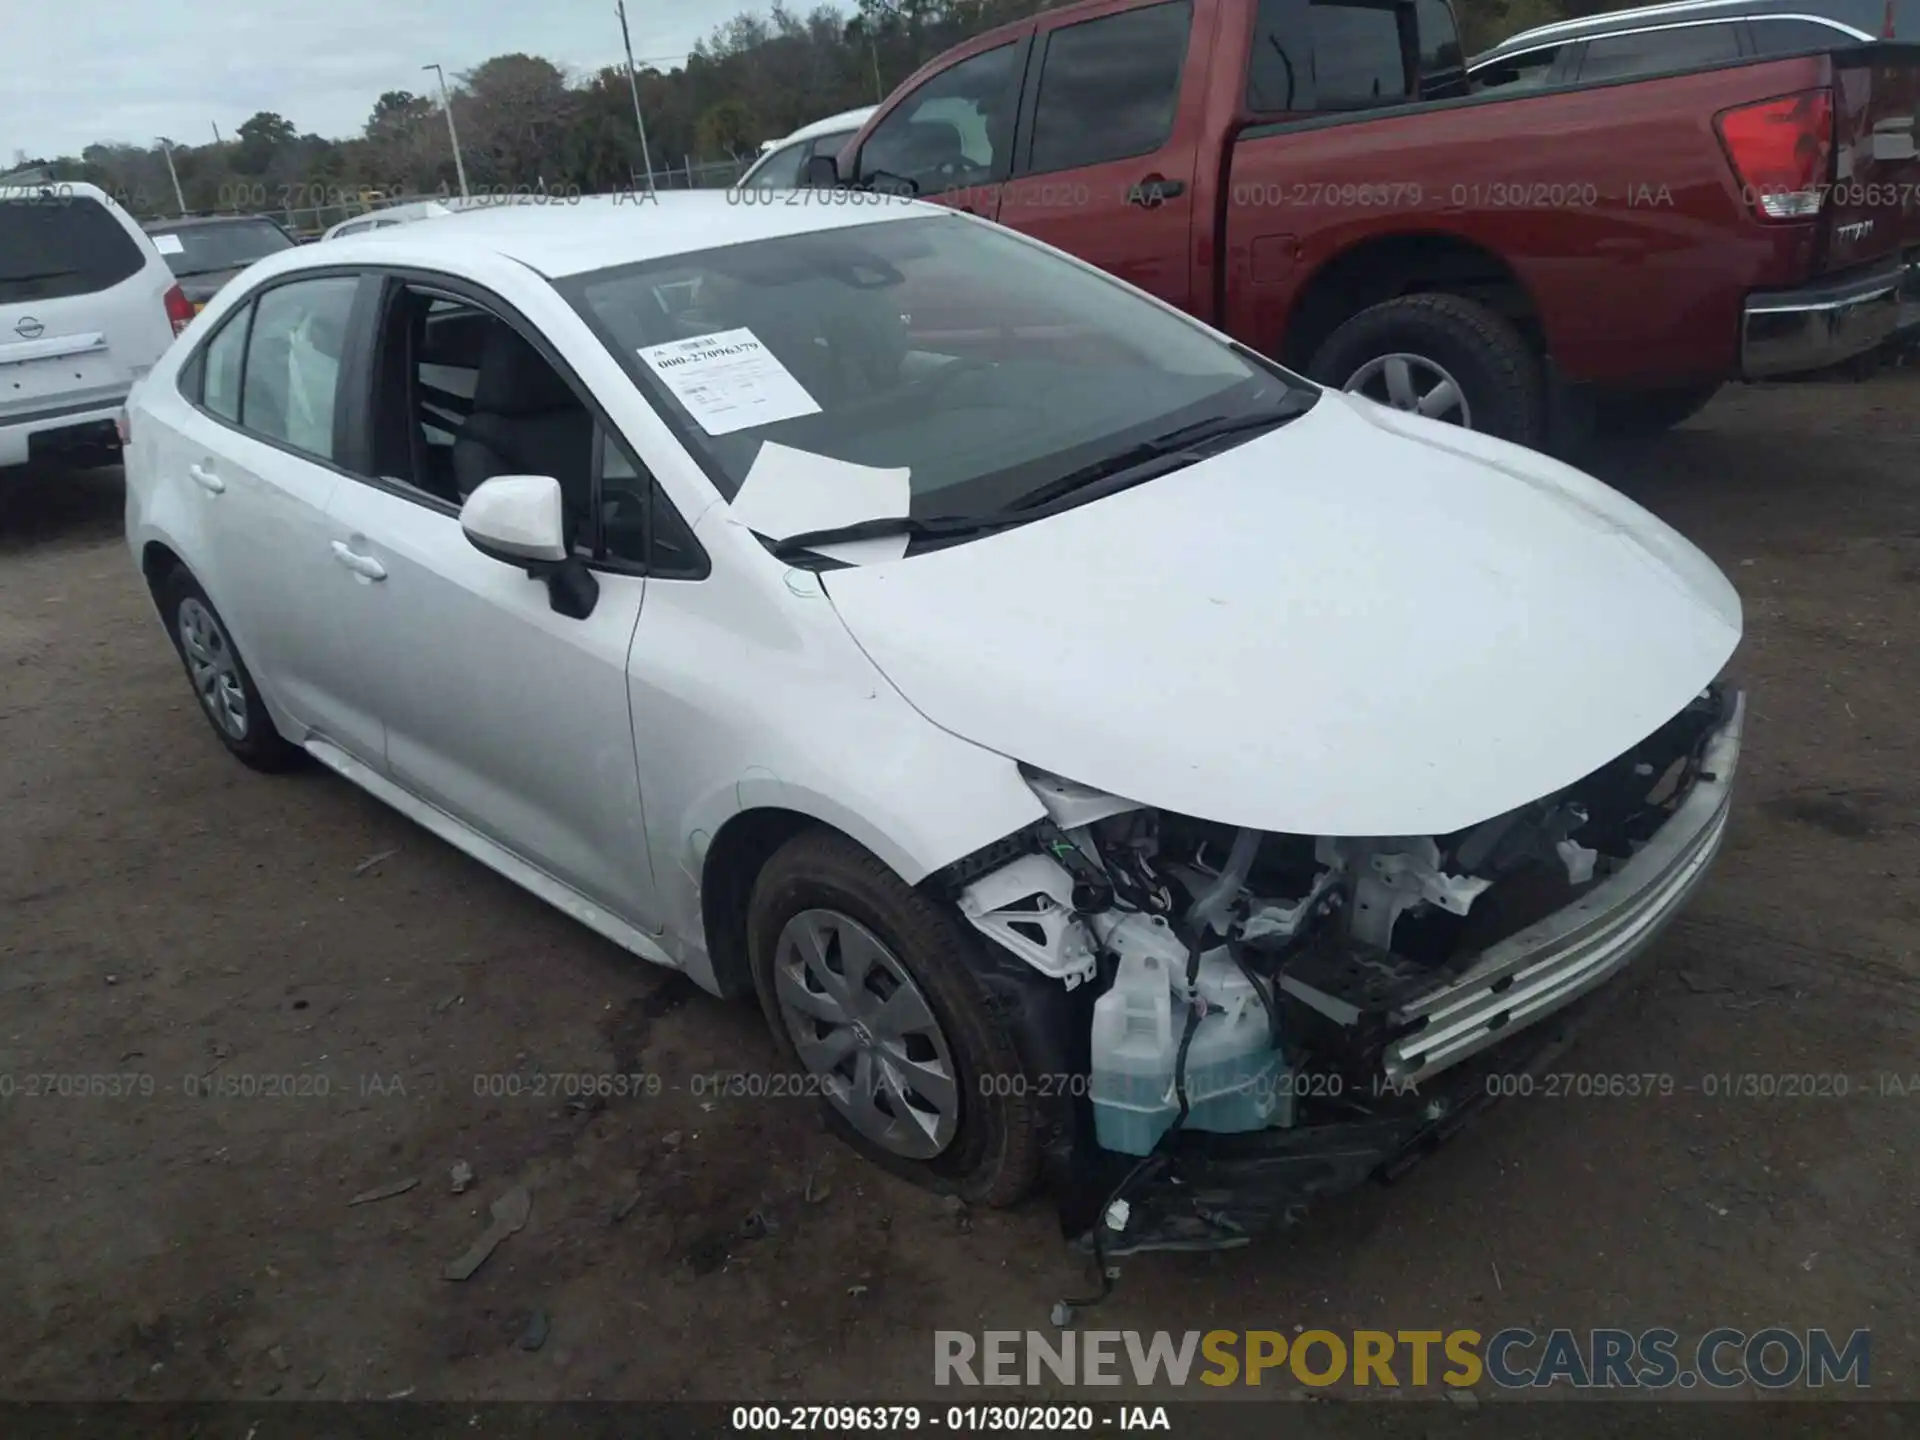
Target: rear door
252,434
1109,141
1874,206
82,313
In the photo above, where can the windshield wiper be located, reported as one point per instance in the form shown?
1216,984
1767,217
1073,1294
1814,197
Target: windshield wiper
882,526
1186,442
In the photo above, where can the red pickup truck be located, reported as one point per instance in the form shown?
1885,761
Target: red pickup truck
1316,179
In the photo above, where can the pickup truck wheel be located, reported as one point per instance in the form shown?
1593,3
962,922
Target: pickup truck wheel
1442,356
869,990
1629,413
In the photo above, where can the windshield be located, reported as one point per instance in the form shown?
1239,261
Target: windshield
201,249
981,365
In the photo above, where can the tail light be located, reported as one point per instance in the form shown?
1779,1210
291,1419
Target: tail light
179,308
1781,150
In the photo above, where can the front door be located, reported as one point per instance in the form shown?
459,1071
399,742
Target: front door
951,139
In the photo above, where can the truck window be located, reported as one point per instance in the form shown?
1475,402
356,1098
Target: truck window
1794,37
1443,70
1359,57
956,129
1108,87
1648,52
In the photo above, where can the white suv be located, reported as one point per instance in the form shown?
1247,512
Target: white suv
87,305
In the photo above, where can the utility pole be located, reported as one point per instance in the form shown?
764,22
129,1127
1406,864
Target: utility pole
633,84
216,132
166,149
453,135
873,49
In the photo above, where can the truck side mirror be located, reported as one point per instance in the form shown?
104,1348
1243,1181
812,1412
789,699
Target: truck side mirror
822,172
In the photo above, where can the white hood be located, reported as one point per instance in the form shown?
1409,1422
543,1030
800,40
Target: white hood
1362,623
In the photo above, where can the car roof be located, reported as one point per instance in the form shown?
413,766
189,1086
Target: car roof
596,232
1679,12
845,120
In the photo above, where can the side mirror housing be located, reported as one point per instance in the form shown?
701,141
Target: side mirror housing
822,172
520,520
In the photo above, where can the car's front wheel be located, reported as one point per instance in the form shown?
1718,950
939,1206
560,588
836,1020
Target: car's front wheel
868,987
220,679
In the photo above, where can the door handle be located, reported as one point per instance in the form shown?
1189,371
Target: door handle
206,479
363,565
1152,190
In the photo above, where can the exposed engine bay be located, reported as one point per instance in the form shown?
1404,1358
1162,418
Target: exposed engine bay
1234,983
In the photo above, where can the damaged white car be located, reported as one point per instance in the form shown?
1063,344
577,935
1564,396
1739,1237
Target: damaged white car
1108,756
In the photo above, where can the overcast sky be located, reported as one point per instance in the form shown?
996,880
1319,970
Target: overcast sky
85,70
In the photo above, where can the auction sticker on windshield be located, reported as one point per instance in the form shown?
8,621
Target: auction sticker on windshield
729,381
169,245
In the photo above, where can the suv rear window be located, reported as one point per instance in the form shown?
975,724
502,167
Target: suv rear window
53,246
228,245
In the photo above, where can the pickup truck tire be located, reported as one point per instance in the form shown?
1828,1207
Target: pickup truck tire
1630,413
861,976
1498,373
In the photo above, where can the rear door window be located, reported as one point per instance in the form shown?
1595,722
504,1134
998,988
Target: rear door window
1653,52
1109,87
1359,54
53,245
1794,37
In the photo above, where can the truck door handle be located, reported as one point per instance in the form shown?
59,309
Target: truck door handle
206,479
363,565
1153,189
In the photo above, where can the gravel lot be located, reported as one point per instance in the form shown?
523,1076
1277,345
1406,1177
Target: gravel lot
167,913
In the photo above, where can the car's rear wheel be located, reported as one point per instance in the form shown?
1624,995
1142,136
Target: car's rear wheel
868,988
220,679
1444,357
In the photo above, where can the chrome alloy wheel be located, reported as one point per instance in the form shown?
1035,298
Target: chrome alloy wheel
215,672
1412,383
863,1028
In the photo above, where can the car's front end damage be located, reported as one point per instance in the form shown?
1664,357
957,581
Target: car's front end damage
1226,1023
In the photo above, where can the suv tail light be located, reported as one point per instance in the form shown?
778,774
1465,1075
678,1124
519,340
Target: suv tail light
179,308
1781,150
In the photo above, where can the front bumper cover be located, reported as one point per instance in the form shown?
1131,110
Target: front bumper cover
1519,1006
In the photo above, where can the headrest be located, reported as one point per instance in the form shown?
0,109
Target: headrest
514,380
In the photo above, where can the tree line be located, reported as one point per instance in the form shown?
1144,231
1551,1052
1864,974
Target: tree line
524,123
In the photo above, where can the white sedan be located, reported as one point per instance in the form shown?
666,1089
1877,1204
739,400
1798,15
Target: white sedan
1100,750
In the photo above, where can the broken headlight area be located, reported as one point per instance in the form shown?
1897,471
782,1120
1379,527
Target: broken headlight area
1238,984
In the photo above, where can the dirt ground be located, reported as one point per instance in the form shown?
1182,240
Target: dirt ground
165,913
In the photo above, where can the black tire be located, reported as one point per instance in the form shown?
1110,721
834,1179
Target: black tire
1496,369
1624,414
993,1157
259,744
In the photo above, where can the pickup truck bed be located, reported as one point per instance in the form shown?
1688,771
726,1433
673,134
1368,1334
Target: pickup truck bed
1607,222
1631,243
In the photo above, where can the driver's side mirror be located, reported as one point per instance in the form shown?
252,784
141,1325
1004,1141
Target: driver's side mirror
822,172
520,520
